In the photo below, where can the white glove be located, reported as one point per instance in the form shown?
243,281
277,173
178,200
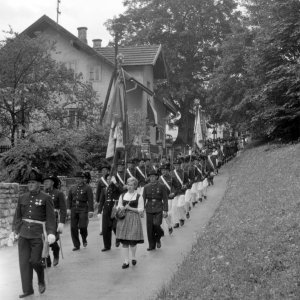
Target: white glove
69,212
51,238
99,216
60,227
113,180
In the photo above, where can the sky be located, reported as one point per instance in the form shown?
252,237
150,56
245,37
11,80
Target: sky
19,14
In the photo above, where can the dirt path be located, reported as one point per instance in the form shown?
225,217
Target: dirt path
92,274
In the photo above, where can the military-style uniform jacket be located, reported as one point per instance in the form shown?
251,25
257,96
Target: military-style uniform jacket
179,190
140,175
120,178
59,201
101,185
34,206
81,198
156,197
108,197
198,173
169,180
191,175
131,174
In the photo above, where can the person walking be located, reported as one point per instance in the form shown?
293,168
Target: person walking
108,197
156,205
80,207
51,183
34,222
129,229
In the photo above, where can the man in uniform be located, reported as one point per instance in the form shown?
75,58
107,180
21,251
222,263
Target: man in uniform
179,181
120,174
81,207
50,186
166,179
140,175
156,205
34,222
102,184
130,171
108,199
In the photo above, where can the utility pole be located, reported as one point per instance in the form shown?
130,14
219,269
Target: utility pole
58,12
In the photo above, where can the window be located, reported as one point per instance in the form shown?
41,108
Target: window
94,73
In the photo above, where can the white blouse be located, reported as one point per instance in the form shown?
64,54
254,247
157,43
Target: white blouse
131,197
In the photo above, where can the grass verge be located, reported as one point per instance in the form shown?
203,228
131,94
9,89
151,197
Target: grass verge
251,247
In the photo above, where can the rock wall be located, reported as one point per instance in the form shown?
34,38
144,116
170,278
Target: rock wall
9,193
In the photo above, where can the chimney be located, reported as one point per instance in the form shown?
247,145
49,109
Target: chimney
82,34
97,44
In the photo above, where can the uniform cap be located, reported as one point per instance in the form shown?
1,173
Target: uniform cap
52,177
35,175
152,172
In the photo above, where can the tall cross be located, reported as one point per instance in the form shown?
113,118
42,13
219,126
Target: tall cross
57,10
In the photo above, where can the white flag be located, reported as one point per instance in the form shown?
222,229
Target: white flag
198,131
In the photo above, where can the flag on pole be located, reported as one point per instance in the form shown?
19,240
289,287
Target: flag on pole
151,112
198,131
116,117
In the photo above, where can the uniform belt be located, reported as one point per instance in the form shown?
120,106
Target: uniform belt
153,199
38,222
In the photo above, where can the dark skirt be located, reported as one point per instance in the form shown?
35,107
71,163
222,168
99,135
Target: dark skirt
129,229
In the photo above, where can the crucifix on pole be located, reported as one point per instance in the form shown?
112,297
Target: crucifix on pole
58,12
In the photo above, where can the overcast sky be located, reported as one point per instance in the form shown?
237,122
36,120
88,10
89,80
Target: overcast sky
19,14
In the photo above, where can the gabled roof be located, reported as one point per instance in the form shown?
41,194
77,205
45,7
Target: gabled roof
44,22
134,55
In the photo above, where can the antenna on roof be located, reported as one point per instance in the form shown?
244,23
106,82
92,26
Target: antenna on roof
57,10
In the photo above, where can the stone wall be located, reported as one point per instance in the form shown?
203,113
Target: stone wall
9,193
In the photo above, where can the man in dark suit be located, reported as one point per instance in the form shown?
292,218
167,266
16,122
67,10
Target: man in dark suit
50,186
156,205
108,199
81,207
35,224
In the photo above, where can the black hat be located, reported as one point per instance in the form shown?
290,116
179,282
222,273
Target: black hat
104,166
35,175
87,175
152,172
79,174
53,178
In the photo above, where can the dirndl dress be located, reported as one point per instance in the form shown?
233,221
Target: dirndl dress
129,229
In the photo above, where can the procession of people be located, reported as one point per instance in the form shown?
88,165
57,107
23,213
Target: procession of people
161,191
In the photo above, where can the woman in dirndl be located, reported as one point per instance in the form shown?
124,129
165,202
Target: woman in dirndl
129,229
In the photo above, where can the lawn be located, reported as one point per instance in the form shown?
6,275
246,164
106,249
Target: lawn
251,247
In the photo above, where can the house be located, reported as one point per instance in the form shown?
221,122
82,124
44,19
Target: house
144,66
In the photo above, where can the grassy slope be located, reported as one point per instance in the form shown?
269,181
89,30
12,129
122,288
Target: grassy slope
251,247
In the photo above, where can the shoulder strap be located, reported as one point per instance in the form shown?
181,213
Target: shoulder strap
178,177
165,182
104,181
140,171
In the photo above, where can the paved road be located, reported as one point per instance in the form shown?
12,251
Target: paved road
91,274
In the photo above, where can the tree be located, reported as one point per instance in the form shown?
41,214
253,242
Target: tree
35,89
191,32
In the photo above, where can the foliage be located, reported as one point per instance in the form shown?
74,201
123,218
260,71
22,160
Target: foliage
190,31
35,90
50,152
264,96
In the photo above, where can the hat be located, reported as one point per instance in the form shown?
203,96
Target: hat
53,178
87,175
152,172
79,174
35,175
104,166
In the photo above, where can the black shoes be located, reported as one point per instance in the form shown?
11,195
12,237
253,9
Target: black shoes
101,233
26,294
55,261
125,266
84,244
117,244
134,262
150,249
187,215
158,244
76,248
181,222
170,231
42,287
200,199
105,249
176,225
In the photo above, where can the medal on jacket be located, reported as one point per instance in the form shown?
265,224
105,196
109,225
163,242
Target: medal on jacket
38,202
